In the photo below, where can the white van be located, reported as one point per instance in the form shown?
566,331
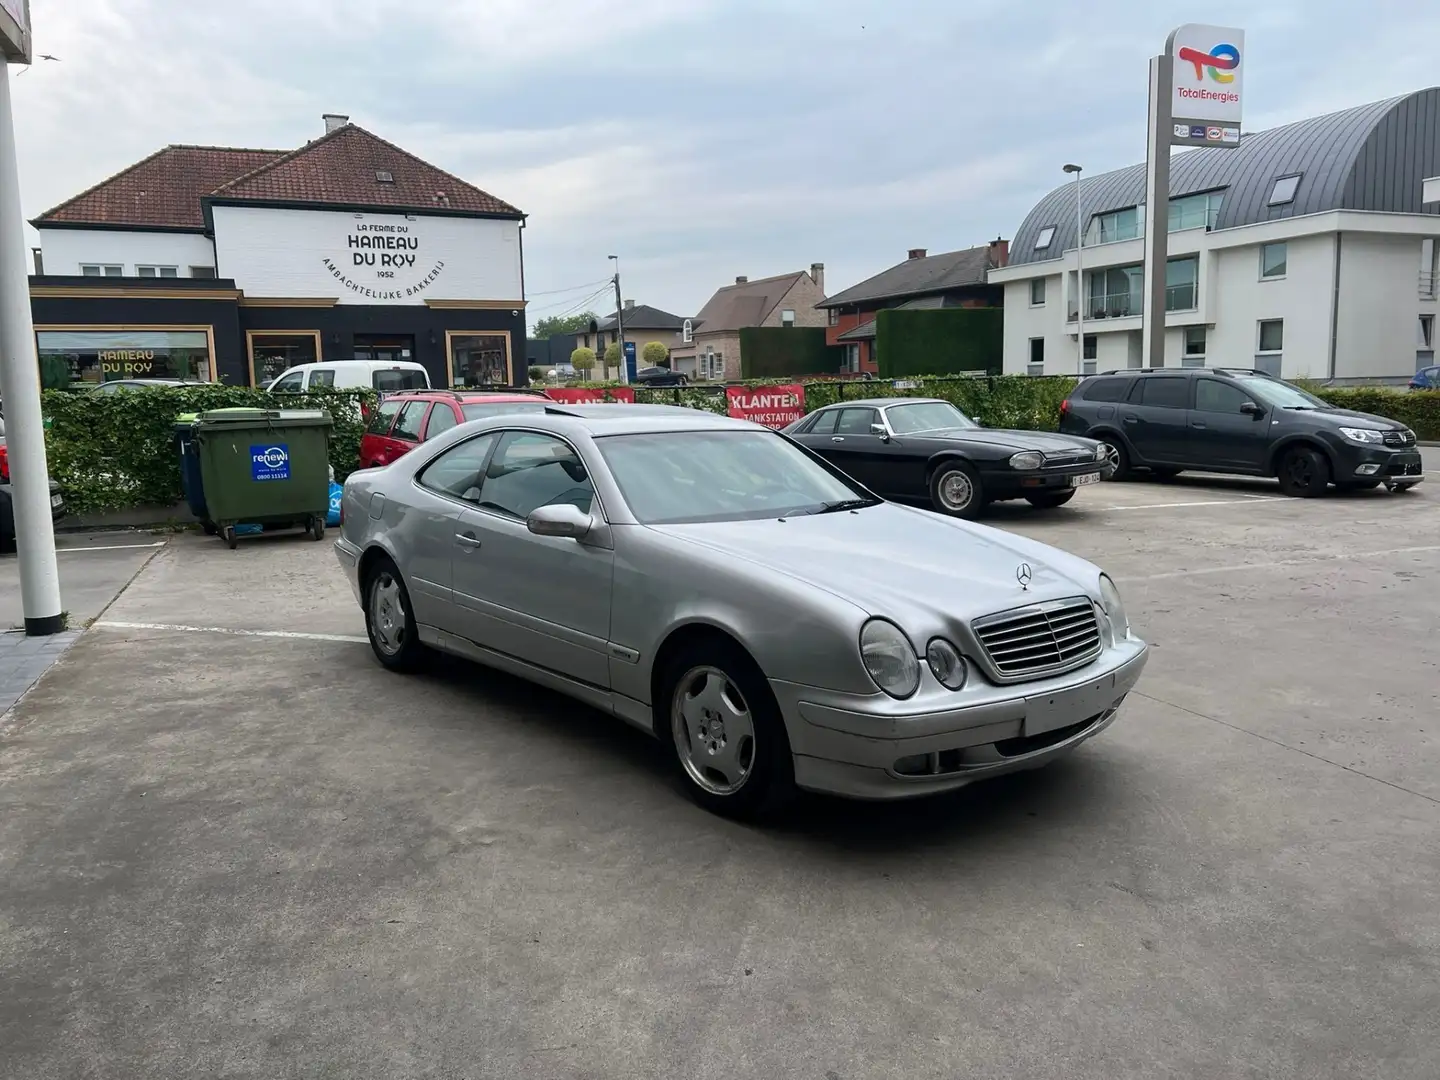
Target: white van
386,376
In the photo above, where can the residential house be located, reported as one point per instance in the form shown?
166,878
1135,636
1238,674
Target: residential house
642,324
1309,250
784,300
953,279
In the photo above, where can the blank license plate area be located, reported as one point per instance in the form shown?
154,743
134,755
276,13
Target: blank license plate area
1085,478
1046,712
56,500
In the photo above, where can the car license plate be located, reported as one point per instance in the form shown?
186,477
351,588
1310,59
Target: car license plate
1046,712
1085,478
56,500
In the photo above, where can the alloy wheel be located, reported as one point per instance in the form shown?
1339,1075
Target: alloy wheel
956,491
713,731
387,614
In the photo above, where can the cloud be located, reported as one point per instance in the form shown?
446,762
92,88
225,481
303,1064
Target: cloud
698,139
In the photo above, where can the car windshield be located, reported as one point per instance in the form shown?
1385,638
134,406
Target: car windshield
501,408
926,416
681,477
1275,392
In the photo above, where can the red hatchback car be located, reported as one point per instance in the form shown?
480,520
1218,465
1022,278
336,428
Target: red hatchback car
409,417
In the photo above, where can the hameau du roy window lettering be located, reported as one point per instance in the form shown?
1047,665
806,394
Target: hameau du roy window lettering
390,256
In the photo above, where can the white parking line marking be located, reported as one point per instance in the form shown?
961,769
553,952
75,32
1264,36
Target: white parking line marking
1355,556
110,624
1209,502
105,547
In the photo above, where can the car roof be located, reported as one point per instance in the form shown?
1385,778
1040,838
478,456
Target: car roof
626,419
881,402
463,396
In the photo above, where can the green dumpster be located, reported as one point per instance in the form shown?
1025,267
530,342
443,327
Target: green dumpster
268,467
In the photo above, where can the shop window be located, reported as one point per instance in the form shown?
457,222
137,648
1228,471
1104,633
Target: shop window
271,354
78,357
478,359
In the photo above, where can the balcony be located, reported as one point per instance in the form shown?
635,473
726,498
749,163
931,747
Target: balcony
1128,304
1427,285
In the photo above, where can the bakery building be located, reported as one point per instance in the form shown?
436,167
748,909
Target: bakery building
217,263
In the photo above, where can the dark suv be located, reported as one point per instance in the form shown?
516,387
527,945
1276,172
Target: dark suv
1225,420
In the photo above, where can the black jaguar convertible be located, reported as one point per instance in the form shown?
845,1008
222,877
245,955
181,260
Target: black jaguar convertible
927,449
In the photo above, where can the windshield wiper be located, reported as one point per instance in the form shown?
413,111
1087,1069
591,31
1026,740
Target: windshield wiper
1300,408
840,505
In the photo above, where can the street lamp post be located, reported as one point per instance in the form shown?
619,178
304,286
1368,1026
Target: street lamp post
620,322
1079,275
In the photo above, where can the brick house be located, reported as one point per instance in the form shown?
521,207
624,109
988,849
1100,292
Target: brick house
785,300
952,279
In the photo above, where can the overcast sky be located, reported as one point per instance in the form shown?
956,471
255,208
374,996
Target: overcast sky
696,139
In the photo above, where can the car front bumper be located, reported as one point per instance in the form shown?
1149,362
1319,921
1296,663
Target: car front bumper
873,748
348,555
1015,484
1380,463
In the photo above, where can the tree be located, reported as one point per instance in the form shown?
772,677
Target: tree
655,354
564,324
614,355
582,360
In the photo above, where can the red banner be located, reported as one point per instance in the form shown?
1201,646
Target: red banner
572,395
773,406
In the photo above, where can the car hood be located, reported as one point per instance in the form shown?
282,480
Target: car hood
1348,417
916,567
1047,441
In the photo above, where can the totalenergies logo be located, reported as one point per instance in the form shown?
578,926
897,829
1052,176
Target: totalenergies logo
1219,62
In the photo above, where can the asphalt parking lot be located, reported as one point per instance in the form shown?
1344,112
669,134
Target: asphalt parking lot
231,845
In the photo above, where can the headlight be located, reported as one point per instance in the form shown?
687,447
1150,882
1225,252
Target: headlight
889,658
1027,459
1363,435
1100,452
1114,609
946,663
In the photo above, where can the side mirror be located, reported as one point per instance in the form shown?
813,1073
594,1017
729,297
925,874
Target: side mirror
559,519
1252,410
879,430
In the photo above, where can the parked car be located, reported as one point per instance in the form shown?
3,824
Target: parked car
660,376
409,417
1426,379
7,507
1227,420
926,448
114,386
385,376
715,584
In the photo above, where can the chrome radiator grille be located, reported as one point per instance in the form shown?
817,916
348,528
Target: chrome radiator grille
1040,640
1400,438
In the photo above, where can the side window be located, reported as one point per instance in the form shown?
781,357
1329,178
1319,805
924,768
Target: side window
856,421
530,470
456,472
289,384
412,419
442,419
322,377
382,418
1161,393
1105,390
825,423
1212,395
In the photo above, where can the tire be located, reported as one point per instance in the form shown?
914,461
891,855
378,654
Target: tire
317,528
1049,500
955,489
723,732
1304,473
1117,458
389,621
228,535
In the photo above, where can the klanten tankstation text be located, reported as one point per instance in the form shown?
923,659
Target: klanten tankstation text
387,248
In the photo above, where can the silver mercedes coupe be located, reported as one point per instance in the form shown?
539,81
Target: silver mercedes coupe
772,622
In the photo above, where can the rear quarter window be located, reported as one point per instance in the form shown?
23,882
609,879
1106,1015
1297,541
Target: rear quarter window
1103,389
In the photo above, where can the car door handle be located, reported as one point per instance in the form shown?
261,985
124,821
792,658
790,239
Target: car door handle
1132,419
837,438
469,540
1197,424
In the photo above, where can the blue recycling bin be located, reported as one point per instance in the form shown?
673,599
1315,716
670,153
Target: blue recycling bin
192,482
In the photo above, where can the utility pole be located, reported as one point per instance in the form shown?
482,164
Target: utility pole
20,392
620,322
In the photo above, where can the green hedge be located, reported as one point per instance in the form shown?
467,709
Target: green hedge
926,342
116,451
773,352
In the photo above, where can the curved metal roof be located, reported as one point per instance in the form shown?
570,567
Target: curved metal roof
1371,157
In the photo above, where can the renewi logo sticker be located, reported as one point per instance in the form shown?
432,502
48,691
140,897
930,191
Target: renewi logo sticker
270,462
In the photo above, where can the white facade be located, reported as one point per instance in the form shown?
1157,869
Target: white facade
374,259
68,251
1356,301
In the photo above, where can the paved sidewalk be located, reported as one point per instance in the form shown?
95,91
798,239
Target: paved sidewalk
24,659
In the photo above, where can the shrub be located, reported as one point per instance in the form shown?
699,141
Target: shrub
614,354
772,352
536,374
1418,410
583,359
115,451
655,354
927,342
